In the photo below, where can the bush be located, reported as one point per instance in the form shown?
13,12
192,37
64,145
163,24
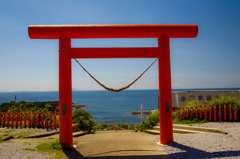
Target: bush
150,122
105,125
83,119
144,125
98,127
124,125
154,118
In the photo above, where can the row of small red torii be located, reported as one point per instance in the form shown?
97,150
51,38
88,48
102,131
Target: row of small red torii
210,112
23,117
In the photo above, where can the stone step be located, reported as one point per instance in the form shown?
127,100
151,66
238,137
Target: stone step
155,132
177,131
156,128
193,128
184,131
76,134
196,128
42,135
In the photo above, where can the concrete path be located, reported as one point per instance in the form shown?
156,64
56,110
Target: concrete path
120,144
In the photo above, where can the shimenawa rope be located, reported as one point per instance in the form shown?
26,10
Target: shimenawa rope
112,89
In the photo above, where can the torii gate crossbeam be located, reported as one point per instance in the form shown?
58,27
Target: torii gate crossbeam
67,32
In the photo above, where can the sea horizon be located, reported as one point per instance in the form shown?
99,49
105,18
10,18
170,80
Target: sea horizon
173,90
101,104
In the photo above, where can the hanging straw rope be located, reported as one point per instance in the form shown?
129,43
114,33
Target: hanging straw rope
112,89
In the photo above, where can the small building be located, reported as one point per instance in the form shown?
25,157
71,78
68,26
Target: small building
180,98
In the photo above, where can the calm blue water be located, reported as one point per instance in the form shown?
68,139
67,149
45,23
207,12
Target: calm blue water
103,105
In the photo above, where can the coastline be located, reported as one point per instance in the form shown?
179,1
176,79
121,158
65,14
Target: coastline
102,105
173,90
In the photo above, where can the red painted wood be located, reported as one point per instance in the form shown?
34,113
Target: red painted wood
205,111
33,119
225,112
16,119
29,119
215,112
111,31
65,92
20,122
38,120
191,112
230,111
42,121
220,112
196,111
50,115
7,119
200,111
179,118
4,119
46,122
55,120
165,90
182,112
12,119
235,114
65,32
25,119
210,112
150,52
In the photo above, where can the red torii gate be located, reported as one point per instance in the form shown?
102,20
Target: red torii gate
67,32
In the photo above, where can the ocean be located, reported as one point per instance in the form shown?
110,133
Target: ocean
102,105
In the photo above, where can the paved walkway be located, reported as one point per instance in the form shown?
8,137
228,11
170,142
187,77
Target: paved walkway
120,144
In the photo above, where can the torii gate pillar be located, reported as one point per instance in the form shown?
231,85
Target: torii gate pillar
66,32
65,92
165,90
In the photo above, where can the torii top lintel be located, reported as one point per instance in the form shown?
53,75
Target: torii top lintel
111,31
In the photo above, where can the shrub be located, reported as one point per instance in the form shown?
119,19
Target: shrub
124,125
154,118
144,125
150,122
98,127
84,119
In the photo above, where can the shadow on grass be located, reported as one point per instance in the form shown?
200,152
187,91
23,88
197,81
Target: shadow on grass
197,154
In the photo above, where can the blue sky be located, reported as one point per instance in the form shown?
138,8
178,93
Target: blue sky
209,61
